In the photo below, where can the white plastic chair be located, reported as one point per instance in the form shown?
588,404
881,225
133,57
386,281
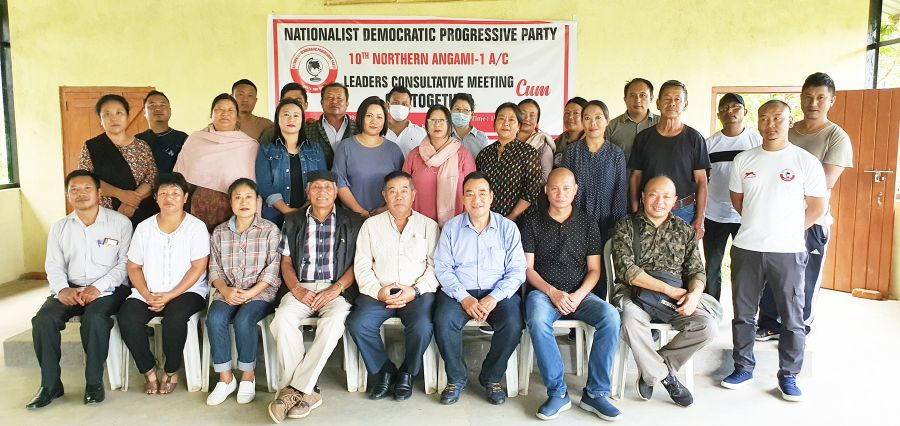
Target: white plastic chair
623,352
270,358
114,355
351,355
512,366
429,362
191,352
526,358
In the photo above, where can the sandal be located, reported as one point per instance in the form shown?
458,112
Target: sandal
151,387
168,384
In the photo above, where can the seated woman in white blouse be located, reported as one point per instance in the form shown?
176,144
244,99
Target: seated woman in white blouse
167,268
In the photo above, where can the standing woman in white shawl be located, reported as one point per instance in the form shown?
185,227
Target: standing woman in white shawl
438,166
529,133
213,158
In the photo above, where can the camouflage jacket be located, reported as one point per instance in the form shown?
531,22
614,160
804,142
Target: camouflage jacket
314,132
670,248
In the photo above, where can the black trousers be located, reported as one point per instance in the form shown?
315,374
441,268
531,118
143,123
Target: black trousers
96,323
714,241
133,319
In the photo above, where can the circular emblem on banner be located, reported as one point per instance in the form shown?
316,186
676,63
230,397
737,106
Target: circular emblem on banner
787,175
314,67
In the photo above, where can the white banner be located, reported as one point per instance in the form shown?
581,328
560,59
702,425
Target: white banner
493,60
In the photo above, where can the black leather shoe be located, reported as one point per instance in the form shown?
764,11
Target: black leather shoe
403,387
495,393
94,394
677,391
450,394
384,386
645,391
45,396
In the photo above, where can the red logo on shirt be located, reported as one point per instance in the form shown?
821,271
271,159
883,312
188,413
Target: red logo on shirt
787,175
749,175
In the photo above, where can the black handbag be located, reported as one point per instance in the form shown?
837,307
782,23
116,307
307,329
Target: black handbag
658,305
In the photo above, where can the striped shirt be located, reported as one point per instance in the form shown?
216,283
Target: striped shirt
244,259
318,260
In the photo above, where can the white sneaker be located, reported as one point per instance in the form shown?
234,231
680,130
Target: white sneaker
221,392
246,392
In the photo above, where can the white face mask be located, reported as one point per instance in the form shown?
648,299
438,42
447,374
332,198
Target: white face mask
398,112
459,119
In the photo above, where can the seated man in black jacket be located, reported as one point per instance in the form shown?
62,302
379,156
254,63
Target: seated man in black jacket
318,246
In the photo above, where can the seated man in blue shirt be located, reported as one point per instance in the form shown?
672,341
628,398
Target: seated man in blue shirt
480,264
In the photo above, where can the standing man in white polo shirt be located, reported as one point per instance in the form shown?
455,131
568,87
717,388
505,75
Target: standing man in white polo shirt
721,220
779,190
406,134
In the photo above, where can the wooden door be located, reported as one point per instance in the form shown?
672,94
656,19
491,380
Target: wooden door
861,243
80,121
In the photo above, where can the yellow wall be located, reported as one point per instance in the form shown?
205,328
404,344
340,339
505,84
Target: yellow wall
11,263
196,49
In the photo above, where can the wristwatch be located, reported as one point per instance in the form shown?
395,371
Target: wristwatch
418,293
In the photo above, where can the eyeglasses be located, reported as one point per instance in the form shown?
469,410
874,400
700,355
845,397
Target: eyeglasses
462,111
437,121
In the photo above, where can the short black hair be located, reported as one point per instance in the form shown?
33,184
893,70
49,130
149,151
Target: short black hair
397,89
532,102
819,79
463,97
242,181
397,174
514,107
674,83
281,104
293,86
333,85
242,81
475,176
111,97
173,178
598,103
639,80
578,100
79,173
155,93
223,97
364,106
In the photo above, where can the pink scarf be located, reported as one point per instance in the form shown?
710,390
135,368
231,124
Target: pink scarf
214,159
447,162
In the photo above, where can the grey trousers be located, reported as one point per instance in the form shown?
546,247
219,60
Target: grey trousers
750,271
695,332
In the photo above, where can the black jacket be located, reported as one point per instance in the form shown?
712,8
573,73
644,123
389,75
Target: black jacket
344,249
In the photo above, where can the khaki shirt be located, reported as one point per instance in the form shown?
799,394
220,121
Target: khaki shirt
622,130
255,126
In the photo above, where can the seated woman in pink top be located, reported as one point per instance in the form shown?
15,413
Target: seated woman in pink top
438,166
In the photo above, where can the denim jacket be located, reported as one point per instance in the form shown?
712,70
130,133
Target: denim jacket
273,173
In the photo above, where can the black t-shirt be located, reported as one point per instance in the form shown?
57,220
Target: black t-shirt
676,157
561,249
298,197
165,146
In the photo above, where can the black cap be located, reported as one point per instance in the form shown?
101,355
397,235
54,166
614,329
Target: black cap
321,175
731,97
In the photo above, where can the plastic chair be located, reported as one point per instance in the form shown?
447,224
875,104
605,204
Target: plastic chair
526,358
351,354
191,352
512,366
114,357
429,362
623,352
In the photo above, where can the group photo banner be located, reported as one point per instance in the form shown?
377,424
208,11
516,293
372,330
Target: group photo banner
495,61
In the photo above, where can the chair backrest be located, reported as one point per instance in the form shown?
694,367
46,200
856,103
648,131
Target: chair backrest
608,267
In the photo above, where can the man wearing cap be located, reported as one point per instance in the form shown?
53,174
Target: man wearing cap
318,246
721,218
244,91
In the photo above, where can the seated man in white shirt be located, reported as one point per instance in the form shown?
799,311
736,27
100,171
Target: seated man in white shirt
395,272
86,255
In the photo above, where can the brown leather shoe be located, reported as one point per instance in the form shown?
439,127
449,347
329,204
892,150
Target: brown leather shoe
310,402
287,399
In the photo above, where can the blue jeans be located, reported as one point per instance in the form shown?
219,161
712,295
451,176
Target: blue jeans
245,318
540,315
449,320
686,213
365,323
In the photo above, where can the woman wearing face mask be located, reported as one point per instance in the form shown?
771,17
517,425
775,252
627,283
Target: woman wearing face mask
215,157
362,161
123,163
599,168
405,134
462,108
574,129
529,133
438,166
282,166
512,167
